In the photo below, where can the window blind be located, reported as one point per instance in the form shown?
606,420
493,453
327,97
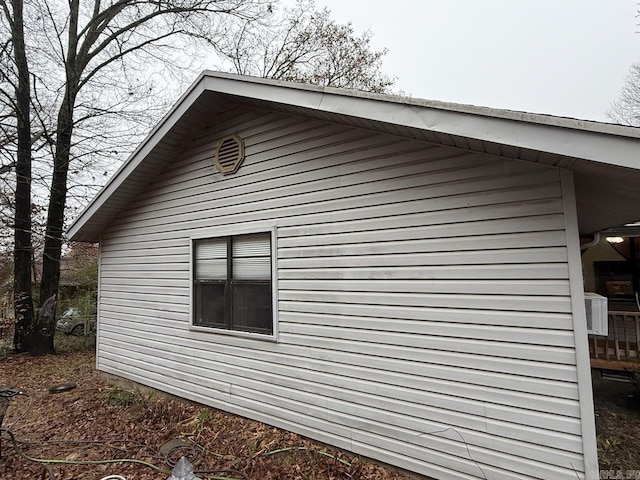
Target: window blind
252,257
211,259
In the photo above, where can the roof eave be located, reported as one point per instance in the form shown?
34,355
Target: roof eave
598,142
135,159
562,136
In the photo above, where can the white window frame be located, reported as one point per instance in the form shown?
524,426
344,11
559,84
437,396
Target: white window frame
231,232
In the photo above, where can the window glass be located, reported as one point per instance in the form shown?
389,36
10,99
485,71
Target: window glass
209,303
252,306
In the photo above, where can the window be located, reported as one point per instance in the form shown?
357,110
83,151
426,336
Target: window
232,283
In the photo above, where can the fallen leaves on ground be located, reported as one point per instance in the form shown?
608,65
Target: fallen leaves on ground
617,410
95,422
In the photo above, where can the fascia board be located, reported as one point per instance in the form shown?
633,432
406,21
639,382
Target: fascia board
269,91
602,143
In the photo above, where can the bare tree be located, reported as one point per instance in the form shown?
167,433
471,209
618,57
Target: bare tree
305,45
90,77
73,68
626,109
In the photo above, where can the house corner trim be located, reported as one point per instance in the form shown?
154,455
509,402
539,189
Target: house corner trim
583,365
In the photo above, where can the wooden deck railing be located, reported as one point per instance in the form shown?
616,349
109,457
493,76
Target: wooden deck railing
621,346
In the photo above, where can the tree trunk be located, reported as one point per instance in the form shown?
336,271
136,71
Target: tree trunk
42,336
44,325
23,303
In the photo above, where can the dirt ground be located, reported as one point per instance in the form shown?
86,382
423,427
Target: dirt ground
98,422
95,421
617,410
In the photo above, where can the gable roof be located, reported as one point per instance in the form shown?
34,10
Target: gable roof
603,157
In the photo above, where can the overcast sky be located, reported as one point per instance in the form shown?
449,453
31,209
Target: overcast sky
560,57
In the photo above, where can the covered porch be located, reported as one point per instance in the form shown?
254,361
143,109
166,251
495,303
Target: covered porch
611,269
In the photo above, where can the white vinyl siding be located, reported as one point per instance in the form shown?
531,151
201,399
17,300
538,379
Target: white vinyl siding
423,297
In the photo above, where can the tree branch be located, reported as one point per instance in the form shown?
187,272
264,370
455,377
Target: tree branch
121,55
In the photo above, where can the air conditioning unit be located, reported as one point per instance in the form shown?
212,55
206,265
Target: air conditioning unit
597,314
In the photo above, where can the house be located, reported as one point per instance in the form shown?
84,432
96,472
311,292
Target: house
397,277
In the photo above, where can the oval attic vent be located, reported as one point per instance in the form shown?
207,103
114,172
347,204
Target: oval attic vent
229,154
